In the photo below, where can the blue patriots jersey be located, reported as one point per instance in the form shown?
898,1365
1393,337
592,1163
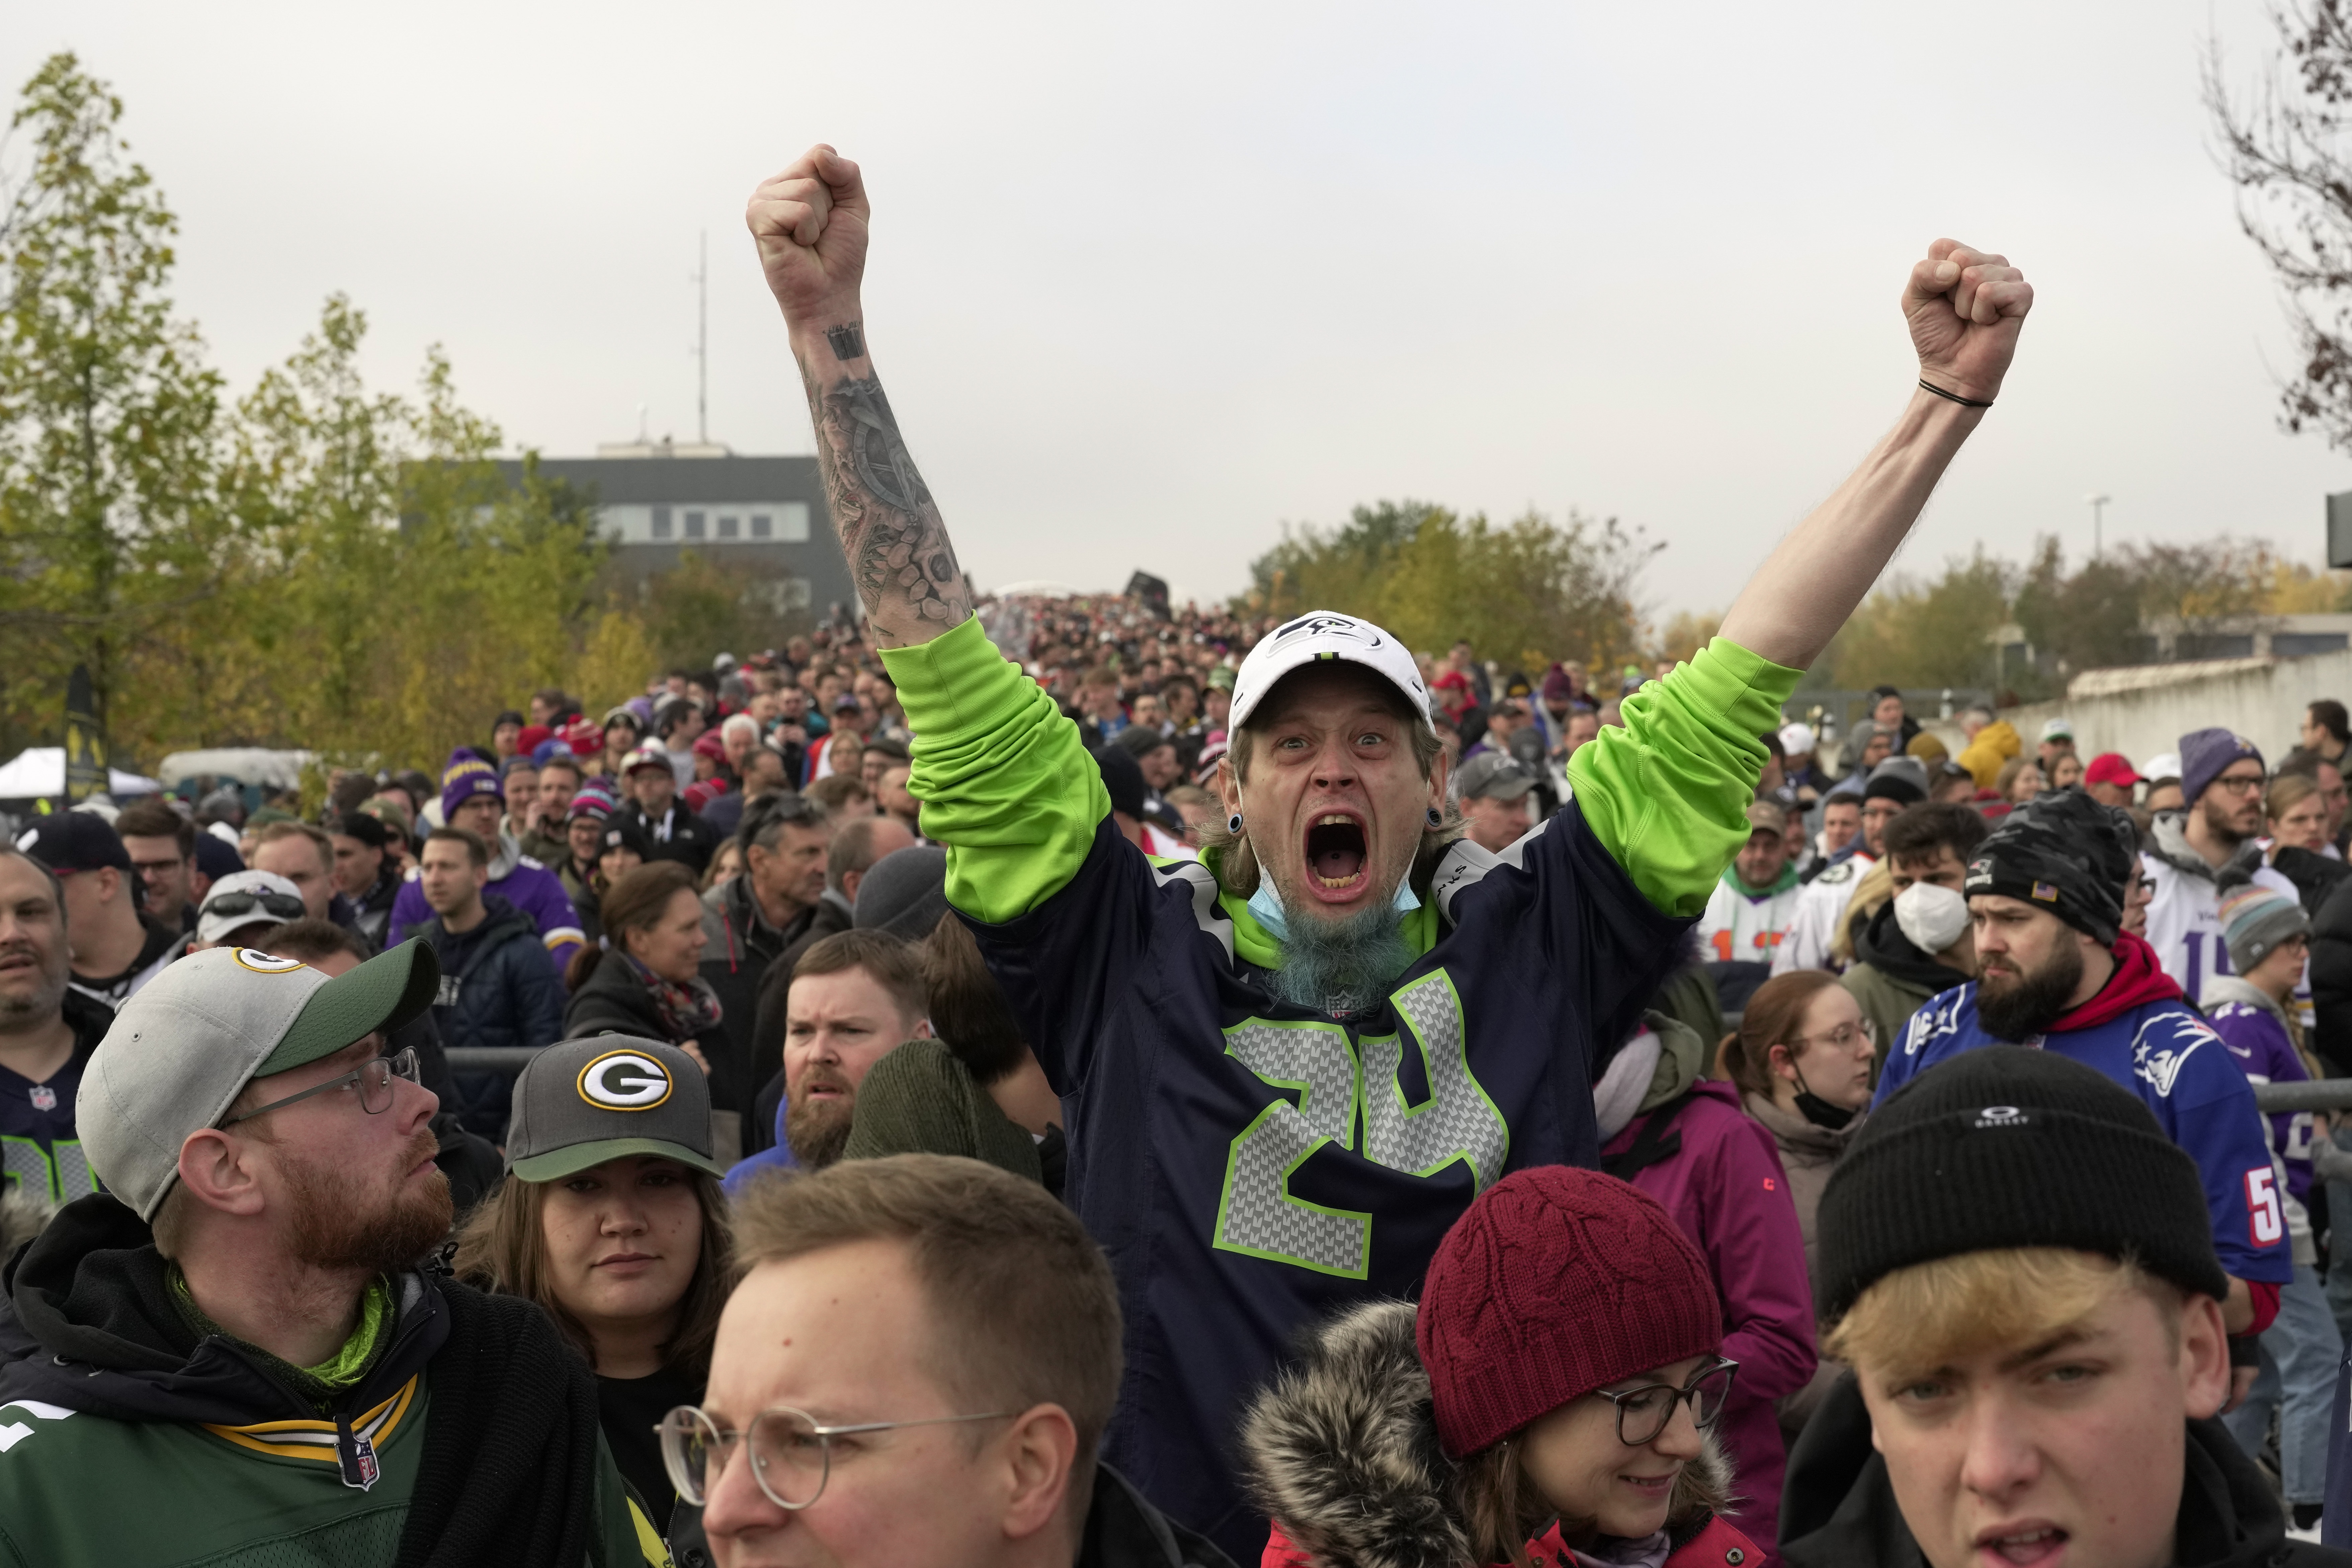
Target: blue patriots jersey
2166,1053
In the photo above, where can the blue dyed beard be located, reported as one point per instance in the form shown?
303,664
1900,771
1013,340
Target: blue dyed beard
1344,966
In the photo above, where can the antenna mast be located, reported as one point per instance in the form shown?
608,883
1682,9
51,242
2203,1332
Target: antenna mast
702,344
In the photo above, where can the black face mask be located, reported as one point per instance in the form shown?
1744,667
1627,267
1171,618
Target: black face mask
1821,1112
1817,1111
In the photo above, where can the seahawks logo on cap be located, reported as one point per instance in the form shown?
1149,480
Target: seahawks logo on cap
262,962
625,1080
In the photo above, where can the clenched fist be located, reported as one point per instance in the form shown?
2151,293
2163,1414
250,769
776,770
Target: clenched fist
809,223
1965,308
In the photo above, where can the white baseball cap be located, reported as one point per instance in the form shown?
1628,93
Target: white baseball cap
245,899
1797,740
1324,634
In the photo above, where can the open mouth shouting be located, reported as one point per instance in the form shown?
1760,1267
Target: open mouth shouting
1339,856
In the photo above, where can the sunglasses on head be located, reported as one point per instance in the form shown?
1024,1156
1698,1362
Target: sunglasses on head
284,906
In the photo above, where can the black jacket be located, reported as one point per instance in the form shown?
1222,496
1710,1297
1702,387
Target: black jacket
498,987
1123,1531
740,947
2331,979
88,1323
1838,1509
614,1001
692,841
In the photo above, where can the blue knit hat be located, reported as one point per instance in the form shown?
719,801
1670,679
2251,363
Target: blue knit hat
2205,753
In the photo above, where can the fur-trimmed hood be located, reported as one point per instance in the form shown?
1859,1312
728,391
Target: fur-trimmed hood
23,1215
1345,1458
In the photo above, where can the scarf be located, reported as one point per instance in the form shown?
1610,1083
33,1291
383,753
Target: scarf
329,1380
687,1009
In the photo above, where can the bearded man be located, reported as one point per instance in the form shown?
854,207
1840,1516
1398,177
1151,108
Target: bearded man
857,996
1290,1066
238,1321
2056,969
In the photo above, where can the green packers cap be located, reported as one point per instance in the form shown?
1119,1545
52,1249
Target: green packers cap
182,1049
582,1102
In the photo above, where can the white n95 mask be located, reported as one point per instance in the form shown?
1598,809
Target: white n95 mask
1932,917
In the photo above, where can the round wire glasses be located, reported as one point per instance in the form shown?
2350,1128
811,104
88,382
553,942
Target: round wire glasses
791,1451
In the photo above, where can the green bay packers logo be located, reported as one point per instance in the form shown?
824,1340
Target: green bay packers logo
262,962
625,1080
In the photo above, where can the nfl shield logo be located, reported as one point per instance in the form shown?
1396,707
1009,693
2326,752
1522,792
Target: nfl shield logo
358,1461
44,1098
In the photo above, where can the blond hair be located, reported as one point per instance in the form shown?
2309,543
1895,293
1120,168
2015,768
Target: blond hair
1932,1314
1869,895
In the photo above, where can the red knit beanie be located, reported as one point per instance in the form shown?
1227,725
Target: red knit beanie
1555,1281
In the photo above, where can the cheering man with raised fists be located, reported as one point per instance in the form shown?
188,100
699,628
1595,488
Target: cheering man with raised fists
1289,1067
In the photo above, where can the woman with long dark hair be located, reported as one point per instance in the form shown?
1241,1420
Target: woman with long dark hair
612,1219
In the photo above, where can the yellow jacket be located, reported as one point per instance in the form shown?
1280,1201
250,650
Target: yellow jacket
1994,744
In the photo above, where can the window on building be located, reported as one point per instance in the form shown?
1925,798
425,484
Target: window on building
661,523
728,527
762,525
694,525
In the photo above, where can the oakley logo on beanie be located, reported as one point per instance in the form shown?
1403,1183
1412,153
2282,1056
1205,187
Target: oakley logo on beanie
625,1080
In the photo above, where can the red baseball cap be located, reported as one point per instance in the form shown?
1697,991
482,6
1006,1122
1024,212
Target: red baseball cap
2111,768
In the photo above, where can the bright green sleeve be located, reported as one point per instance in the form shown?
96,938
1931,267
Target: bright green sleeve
1004,781
1668,794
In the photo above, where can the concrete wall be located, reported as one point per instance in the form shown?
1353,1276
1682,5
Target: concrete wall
2143,711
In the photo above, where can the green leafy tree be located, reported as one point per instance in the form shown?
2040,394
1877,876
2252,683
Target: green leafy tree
1525,593
108,415
1925,632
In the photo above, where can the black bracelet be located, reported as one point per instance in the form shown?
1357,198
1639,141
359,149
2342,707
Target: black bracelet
1953,397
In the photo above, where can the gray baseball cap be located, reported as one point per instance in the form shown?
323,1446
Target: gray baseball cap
582,1102
185,1046
1494,775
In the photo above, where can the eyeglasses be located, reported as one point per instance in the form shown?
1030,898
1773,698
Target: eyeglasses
284,906
1842,1038
791,1451
2239,784
373,1077
1643,1413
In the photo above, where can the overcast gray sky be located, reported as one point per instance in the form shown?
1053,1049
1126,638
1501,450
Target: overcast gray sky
1149,281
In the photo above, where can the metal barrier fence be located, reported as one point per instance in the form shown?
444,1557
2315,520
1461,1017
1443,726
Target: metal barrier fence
2319,1094
505,1060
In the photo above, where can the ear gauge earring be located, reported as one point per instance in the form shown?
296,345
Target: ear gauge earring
1436,818
1233,822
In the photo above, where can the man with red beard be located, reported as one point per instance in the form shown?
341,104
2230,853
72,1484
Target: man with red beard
2057,971
237,1323
857,996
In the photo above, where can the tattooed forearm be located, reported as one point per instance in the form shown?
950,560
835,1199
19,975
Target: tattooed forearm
848,341
891,533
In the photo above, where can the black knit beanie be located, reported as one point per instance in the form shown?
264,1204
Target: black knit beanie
2008,1146
2066,853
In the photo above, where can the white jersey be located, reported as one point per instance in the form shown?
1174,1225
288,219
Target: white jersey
1739,926
1821,907
2184,922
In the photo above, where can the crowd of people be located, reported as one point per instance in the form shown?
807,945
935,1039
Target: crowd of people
1075,1081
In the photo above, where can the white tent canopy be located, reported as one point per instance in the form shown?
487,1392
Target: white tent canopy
39,771
246,764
